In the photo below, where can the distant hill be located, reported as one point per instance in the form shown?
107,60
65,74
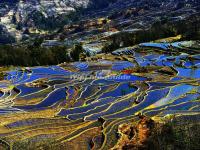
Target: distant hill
47,16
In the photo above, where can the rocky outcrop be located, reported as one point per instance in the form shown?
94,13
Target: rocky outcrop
134,137
180,132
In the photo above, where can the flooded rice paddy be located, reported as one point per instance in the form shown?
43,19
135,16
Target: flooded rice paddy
162,79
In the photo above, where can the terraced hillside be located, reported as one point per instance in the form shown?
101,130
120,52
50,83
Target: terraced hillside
80,105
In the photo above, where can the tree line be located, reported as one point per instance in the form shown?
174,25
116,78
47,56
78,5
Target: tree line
31,56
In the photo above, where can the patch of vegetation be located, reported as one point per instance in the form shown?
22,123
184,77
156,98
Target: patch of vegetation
32,55
110,47
1,75
54,22
179,135
76,52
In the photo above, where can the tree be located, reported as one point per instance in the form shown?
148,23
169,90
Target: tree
110,47
76,51
38,42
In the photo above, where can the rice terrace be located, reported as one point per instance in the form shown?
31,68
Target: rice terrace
117,78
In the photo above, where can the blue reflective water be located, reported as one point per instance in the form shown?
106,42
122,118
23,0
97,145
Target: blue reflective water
125,78
87,113
121,90
24,90
50,71
188,73
122,65
90,106
54,97
151,98
156,45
